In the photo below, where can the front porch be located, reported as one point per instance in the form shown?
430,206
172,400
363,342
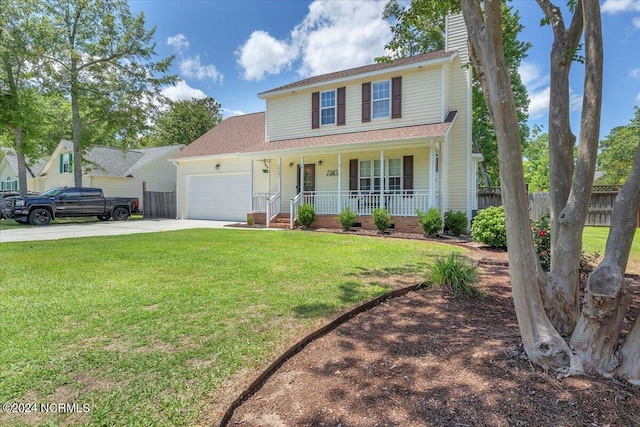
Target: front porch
401,180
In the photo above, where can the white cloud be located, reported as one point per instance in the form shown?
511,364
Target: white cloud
537,85
538,103
637,99
179,42
635,73
181,91
531,75
226,112
575,101
334,35
636,22
191,67
263,54
615,6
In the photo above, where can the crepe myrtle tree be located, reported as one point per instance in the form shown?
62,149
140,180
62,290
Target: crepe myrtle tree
547,306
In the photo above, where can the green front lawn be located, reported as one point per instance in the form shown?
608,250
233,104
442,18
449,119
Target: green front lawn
143,328
594,239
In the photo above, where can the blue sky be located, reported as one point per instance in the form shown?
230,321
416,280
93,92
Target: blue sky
231,50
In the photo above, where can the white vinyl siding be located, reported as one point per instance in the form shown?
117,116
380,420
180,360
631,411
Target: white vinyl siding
289,115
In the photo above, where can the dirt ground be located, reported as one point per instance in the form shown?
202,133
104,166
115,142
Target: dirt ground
427,359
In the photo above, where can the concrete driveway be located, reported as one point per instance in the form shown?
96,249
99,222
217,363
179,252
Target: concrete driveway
107,228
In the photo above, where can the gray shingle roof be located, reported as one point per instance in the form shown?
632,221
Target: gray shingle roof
110,161
246,134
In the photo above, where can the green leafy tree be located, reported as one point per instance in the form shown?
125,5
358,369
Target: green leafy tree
536,162
420,27
617,151
186,121
101,59
21,46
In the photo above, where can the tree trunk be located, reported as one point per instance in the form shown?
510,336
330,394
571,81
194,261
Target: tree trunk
596,336
561,292
22,163
542,343
76,127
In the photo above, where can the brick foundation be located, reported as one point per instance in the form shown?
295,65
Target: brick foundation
258,218
403,224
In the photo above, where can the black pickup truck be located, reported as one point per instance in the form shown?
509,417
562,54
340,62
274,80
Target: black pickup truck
62,202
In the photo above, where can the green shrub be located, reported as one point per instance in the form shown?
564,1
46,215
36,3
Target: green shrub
431,221
455,223
306,215
249,220
455,275
347,218
541,233
489,227
382,219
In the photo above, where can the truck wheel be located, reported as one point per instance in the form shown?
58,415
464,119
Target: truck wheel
120,214
39,216
104,217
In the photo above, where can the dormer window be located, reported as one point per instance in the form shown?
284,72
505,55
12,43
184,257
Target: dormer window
328,108
381,98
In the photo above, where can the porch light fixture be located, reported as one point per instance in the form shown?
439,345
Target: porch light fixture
291,164
320,162
217,166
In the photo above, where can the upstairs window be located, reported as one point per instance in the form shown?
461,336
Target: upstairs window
381,99
328,108
66,163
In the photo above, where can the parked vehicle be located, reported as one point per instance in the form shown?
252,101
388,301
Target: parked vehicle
9,193
62,202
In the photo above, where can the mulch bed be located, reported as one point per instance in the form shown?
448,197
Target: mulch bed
427,359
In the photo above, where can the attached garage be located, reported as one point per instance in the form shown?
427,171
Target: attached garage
225,197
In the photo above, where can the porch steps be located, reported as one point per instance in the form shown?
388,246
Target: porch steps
281,221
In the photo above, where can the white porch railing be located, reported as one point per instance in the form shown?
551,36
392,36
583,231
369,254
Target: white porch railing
293,208
398,203
267,203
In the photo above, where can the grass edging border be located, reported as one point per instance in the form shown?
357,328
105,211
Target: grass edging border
257,384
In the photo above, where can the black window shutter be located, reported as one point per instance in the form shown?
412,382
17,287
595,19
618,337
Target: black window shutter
353,175
407,174
366,102
396,97
342,105
315,110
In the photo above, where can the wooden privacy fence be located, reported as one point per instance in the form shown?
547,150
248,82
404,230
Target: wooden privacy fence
158,204
601,206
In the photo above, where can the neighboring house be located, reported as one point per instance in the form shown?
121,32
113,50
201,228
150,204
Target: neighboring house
117,172
394,135
9,172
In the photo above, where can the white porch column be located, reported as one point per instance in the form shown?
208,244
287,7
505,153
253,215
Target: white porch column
253,184
279,174
302,175
432,174
381,179
339,182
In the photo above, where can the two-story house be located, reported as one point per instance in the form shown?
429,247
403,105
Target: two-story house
394,135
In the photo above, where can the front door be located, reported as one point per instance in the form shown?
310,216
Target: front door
309,178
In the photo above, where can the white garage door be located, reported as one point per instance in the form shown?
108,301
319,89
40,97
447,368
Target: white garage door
222,197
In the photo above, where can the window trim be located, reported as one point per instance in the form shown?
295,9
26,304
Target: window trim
387,99
374,175
334,108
